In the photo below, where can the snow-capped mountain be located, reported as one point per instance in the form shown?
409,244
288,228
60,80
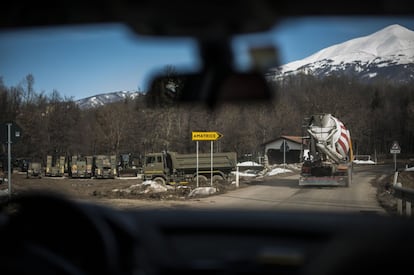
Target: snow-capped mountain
387,54
102,99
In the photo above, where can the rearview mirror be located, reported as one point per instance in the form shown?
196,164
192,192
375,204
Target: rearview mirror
208,88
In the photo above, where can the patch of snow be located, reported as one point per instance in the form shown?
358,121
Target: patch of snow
155,187
409,169
278,170
248,163
144,188
364,162
203,191
245,174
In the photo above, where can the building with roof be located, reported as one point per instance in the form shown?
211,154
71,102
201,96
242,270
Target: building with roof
285,149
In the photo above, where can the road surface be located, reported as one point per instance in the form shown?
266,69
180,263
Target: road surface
283,193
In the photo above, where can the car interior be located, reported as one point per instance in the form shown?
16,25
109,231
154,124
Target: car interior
48,234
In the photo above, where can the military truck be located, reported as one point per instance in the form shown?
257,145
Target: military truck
21,164
105,166
34,170
81,167
175,168
129,165
55,166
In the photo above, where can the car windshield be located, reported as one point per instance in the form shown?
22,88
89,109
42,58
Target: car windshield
337,124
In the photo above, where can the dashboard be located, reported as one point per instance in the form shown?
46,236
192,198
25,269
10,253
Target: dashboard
47,235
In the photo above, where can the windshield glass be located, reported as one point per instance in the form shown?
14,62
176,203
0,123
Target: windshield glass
340,122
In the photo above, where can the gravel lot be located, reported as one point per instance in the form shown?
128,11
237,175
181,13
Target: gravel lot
105,190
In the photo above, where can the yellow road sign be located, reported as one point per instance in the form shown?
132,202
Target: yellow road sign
206,136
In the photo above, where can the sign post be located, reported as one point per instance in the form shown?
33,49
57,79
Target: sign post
197,163
211,163
9,133
206,136
284,148
395,149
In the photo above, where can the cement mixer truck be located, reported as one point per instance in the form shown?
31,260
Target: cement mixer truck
329,157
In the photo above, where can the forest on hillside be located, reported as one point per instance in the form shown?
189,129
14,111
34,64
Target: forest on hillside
376,115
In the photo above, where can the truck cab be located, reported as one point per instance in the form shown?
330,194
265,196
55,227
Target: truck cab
156,167
80,167
105,166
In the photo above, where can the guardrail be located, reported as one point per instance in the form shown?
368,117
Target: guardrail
404,196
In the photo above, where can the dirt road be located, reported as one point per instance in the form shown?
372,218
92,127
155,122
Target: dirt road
284,193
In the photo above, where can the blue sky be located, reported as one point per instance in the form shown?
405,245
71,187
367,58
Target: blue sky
83,61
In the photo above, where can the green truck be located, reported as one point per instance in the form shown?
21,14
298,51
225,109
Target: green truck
81,167
55,166
105,166
175,168
34,170
129,165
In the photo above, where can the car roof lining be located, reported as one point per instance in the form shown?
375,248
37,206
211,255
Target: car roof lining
186,17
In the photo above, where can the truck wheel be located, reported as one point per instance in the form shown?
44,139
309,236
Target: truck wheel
159,180
202,180
217,179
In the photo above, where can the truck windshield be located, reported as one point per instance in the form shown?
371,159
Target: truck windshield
153,159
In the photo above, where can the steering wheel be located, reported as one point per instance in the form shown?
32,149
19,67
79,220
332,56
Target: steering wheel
44,233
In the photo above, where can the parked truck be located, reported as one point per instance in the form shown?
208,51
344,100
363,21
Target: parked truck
55,166
81,167
34,169
129,165
175,168
329,158
105,166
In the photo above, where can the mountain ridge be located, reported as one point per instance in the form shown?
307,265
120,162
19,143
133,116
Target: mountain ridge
106,98
385,54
